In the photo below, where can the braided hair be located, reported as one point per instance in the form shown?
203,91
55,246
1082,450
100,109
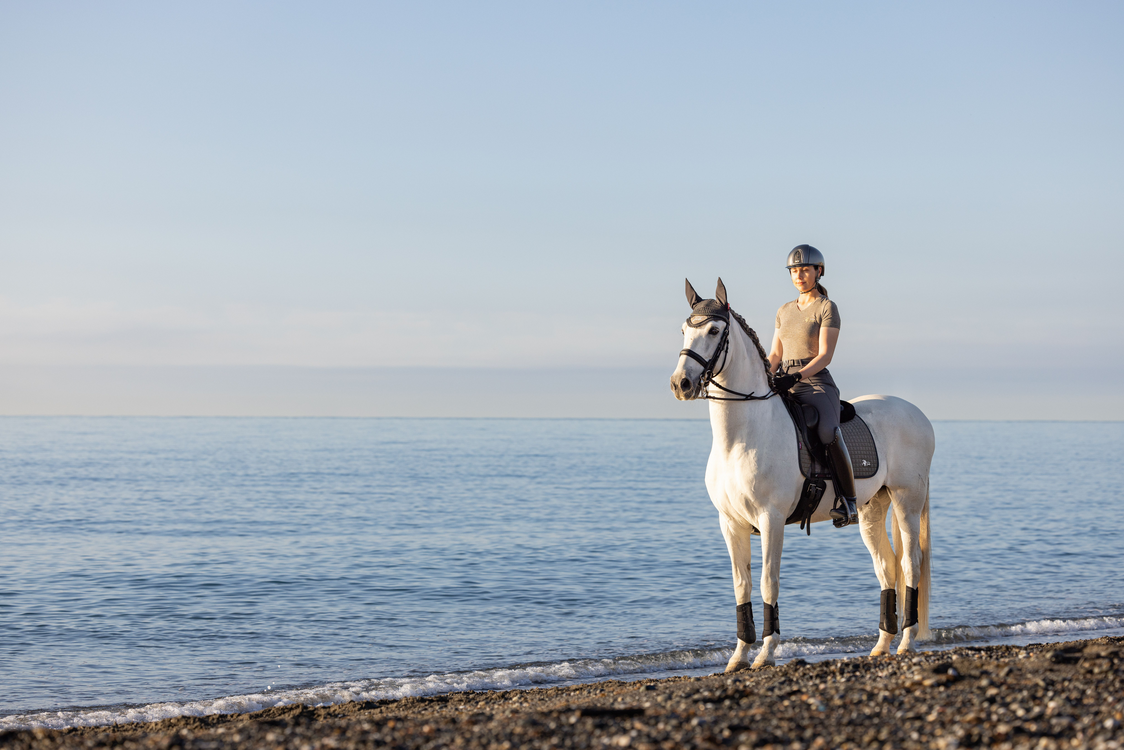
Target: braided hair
757,343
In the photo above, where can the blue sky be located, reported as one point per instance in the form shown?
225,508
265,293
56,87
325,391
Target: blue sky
524,186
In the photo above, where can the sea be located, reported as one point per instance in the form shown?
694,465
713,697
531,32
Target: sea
161,567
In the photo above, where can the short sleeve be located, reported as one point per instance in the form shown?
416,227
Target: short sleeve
779,316
830,316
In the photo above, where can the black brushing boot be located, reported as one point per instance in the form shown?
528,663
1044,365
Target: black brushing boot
844,513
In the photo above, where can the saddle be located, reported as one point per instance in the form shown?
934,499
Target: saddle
813,458
856,434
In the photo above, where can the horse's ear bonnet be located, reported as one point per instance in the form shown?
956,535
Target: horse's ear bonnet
692,296
703,310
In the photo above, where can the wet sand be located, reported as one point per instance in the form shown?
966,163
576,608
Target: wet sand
1043,696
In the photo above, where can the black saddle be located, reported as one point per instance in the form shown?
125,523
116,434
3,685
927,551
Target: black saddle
807,417
813,457
856,434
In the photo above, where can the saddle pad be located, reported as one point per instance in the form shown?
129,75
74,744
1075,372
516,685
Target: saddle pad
860,445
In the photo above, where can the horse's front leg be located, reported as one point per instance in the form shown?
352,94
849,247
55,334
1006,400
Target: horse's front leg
737,542
772,541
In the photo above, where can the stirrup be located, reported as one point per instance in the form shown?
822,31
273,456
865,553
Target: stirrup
843,512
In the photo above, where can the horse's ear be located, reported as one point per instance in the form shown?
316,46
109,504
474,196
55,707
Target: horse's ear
693,297
720,293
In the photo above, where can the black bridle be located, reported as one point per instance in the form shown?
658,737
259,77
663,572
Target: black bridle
723,351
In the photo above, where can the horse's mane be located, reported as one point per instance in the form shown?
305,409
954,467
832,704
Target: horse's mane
756,342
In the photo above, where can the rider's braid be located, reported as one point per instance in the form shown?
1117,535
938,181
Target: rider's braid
756,342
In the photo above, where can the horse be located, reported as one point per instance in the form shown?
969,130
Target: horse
754,480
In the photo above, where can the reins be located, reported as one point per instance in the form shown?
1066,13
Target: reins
723,350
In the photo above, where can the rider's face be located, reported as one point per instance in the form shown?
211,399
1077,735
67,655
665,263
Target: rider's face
804,277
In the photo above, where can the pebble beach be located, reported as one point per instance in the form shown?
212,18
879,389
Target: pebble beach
1056,695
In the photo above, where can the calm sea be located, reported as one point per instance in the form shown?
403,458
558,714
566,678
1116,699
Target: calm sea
154,567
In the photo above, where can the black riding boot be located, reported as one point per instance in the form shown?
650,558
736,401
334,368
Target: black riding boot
844,512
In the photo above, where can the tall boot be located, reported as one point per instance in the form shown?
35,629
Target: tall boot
845,511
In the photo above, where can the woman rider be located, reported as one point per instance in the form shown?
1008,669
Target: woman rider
803,343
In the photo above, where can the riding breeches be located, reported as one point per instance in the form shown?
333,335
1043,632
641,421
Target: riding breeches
821,392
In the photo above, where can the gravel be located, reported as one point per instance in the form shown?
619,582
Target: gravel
1041,695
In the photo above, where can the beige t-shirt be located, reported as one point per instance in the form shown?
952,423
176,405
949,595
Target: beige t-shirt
800,329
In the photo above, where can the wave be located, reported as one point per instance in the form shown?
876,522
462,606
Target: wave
534,675
967,633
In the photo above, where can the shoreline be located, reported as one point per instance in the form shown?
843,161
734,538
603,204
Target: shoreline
1047,695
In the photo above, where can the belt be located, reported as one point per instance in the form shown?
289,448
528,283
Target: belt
791,362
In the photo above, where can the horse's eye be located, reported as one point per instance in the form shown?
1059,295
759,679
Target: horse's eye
713,331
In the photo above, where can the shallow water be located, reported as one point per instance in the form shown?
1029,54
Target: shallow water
225,564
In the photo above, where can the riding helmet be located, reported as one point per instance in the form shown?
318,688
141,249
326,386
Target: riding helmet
806,255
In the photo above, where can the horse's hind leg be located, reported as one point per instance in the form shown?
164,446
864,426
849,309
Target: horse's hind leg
737,542
909,506
872,525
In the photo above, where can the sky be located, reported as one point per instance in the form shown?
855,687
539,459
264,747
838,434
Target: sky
489,208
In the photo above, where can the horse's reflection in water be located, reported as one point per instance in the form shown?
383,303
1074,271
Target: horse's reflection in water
754,479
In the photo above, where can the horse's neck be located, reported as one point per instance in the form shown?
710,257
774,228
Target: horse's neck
743,422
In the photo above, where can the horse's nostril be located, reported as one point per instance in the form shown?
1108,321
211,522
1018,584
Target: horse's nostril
684,384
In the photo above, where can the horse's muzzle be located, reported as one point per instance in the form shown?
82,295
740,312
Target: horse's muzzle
683,386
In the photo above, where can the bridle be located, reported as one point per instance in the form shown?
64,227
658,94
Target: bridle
723,351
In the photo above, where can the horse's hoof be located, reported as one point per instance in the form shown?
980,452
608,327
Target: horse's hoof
741,666
882,648
765,664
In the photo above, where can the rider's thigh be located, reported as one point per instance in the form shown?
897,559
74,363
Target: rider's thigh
825,397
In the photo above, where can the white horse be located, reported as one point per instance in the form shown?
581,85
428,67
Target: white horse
754,479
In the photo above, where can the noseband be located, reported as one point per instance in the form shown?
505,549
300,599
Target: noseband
710,310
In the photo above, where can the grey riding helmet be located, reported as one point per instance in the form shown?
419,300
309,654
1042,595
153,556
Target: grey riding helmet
806,255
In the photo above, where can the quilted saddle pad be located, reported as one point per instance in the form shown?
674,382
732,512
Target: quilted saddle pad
860,445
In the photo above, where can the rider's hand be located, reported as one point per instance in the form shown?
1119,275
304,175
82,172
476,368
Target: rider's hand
782,383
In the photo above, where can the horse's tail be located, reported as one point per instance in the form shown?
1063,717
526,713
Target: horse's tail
923,631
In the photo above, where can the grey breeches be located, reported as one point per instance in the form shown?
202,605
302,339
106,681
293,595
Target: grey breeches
819,391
